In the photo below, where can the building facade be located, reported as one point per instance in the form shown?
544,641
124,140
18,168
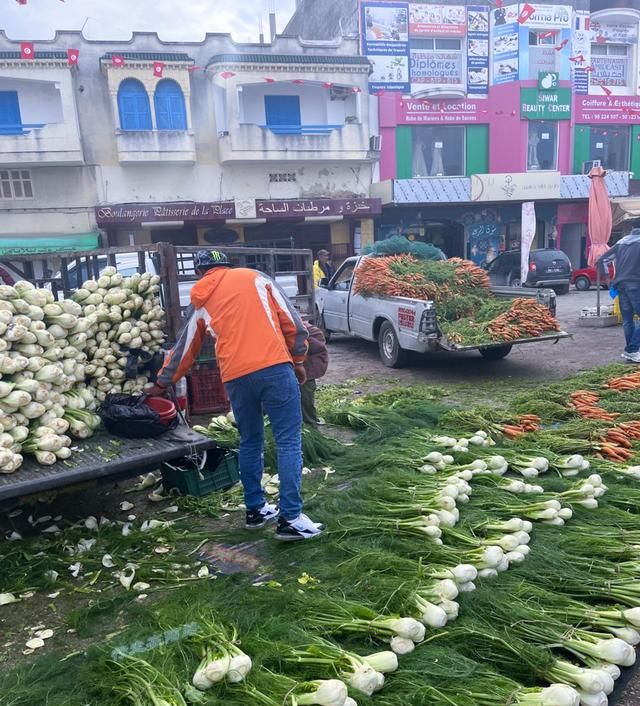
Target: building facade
484,106
143,141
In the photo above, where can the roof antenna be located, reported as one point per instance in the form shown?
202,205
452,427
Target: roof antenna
261,29
272,20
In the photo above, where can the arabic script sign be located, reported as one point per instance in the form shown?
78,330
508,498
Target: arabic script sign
309,208
137,213
526,186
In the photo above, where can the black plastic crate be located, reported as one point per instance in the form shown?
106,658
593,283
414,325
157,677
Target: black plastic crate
220,472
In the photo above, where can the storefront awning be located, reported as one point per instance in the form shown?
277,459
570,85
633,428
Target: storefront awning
625,209
42,244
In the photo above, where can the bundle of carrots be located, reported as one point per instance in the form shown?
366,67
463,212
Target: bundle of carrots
525,319
376,276
586,405
469,275
624,383
619,441
526,423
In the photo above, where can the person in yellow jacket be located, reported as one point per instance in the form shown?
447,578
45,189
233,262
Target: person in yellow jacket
322,268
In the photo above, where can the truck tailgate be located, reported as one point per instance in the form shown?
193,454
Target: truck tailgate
547,337
103,456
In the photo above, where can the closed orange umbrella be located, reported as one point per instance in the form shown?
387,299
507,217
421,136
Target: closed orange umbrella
600,222
600,219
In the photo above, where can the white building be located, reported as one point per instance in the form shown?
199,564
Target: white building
149,141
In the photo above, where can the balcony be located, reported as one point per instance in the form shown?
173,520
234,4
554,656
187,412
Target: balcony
39,144
282,143
156,147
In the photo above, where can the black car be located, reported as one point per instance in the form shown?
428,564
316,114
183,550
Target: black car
547,268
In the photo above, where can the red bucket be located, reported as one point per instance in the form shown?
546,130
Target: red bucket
165,408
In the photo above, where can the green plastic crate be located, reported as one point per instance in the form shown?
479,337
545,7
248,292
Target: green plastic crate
220,472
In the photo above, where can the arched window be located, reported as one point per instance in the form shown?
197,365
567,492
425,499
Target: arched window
133,105
169,105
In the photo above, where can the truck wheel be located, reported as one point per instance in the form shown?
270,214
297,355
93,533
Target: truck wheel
391,354
561,289
583,283
495,353
515,281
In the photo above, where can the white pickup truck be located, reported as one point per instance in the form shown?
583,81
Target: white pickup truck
400,324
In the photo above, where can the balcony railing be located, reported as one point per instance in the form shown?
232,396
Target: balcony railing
20,129
301,129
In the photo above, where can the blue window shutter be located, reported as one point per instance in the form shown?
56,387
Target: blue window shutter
10,120
169,104
133,106
282,110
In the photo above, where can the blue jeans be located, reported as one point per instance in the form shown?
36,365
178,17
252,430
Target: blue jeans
630,307
276,391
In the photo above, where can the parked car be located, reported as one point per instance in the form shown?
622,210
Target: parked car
547,268
585,278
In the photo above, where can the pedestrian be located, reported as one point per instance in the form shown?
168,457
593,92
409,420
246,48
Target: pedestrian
625,255
315,366
261,345
322,268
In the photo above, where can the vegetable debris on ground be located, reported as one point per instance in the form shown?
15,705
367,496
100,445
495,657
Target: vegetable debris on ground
484,557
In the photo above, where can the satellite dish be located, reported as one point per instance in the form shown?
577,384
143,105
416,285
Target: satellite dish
219,236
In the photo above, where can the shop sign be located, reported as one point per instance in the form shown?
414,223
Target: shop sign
316,208
436,68
384,28
581,47
505,43
545,105
547,16
607,109
137,213
548,80
609,70
524,186
477,50
442,112
614,33
438,20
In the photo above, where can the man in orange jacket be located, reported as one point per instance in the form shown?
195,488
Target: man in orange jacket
261,345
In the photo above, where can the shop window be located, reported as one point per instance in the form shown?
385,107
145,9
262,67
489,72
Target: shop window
610,144
169,104
611,64
438,151
542,152
133,105
15,184
10,121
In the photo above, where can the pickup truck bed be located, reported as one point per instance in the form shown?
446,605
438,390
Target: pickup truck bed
102,456
401,324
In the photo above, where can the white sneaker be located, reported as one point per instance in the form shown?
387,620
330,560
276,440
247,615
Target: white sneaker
634,357
256,519
296,530
625,355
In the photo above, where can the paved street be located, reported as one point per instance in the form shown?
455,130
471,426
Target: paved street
540,361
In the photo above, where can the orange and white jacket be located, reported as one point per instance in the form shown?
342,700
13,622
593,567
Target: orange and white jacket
251,318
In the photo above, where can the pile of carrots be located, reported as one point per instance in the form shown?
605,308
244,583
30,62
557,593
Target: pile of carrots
618,441
376,276
586,405
526,423
624,383
525,319
470,275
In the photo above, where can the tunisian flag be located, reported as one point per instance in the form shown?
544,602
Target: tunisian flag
600,219
27,51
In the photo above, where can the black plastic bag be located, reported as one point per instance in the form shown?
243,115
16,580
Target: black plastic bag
130,417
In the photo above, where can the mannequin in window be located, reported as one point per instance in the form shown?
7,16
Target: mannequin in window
532,157
437,165
419,162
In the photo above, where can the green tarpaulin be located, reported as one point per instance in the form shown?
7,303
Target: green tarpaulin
36,244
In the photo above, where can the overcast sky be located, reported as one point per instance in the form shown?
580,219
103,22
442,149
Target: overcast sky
179,20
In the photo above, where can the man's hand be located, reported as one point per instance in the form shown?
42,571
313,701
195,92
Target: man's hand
301,375
156,391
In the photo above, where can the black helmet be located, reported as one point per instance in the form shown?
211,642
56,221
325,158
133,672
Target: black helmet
205,259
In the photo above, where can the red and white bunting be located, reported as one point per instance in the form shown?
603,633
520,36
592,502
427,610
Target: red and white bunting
158,69
227,74
562,45
117,60
191,69
606,90
27,51
355,89
327,84
379,93
298,81
72,56
525,13
21,2
268,79
577,59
